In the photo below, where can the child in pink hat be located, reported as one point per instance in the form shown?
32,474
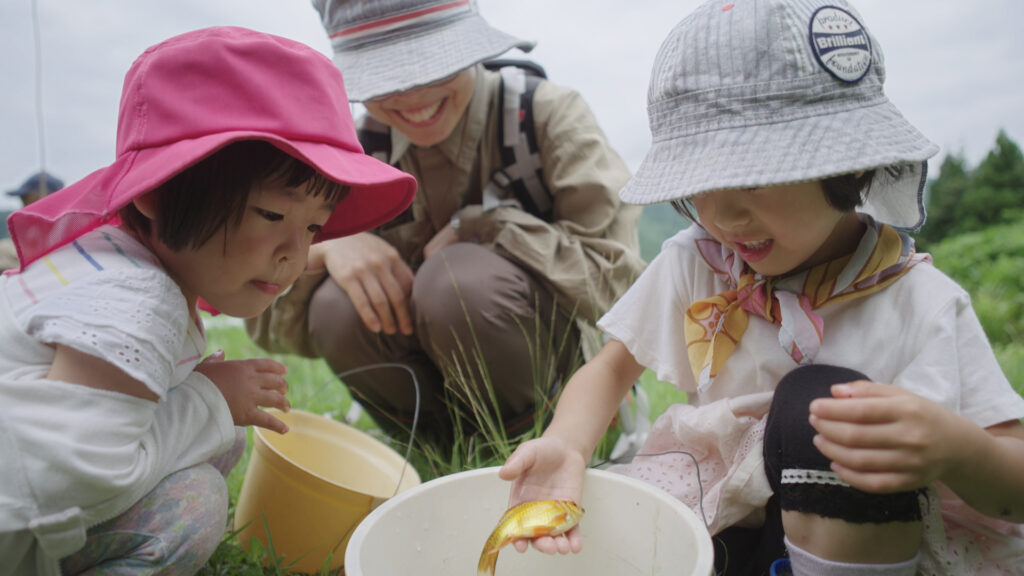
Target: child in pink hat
235,151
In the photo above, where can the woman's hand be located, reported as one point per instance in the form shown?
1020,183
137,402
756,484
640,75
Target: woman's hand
373,274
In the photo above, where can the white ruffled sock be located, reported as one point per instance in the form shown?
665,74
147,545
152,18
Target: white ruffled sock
806,564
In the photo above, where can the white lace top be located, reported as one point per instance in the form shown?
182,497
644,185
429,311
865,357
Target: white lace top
73,456
107,295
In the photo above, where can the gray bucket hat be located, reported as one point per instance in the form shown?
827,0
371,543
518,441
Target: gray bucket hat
754,93
388,46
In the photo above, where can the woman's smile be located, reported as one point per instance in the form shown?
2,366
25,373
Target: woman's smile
424,115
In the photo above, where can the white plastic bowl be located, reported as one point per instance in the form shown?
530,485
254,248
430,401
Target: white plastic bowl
439,528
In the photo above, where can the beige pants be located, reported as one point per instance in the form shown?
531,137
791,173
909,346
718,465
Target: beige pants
478,319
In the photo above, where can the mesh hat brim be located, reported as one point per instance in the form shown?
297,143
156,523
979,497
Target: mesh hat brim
796,150
404,62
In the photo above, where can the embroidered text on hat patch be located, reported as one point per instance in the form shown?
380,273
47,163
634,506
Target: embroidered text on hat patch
840,43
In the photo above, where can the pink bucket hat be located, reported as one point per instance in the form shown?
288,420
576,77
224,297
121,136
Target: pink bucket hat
192,94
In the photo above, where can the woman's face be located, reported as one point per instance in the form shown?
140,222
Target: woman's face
427,114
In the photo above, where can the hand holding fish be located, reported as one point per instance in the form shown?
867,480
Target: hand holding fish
528,520
546,469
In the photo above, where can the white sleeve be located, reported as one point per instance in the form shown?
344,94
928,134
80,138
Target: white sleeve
135,319
648,318
957,368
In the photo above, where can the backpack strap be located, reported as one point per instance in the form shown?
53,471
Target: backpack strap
375,137
529,66
521,171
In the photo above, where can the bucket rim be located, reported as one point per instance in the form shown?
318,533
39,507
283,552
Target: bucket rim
405,469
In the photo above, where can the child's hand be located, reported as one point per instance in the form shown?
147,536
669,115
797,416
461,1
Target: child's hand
882,438
546,469
247,385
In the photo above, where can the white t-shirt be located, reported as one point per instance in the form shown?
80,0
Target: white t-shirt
72,455
919,333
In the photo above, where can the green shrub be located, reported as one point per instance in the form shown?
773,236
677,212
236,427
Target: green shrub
989,265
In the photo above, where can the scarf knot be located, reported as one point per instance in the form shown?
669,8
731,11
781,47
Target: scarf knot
715,325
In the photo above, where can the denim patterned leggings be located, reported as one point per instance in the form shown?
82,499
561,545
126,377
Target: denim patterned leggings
172,530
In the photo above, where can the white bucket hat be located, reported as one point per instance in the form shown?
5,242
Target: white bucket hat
388,46
754,93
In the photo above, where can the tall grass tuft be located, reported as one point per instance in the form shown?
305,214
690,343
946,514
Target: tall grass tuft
480,436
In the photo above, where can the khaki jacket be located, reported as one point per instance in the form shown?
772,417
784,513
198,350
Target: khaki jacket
587,256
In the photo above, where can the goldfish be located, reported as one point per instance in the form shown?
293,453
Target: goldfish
528,520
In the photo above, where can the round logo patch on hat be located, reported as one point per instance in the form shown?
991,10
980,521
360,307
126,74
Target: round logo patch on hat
840,43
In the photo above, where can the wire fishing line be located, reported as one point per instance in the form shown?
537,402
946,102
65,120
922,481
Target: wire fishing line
696,466
415,415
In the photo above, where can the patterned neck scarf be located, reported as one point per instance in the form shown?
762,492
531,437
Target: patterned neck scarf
715,325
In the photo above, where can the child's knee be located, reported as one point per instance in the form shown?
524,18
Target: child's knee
788,441
201,521
801,475
177,526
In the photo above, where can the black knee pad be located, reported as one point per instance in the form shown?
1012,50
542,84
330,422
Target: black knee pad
801,475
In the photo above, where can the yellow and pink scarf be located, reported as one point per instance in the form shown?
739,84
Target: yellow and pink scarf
715,325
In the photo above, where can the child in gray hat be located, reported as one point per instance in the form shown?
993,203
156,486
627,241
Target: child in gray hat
469,281
846,413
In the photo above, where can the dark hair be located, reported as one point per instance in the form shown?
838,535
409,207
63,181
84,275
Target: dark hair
847,191
844,193
200,200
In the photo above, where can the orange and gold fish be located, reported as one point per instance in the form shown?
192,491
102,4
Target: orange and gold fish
528,520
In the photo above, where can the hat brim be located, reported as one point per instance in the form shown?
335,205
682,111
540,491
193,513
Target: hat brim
378,192
799,150
385,67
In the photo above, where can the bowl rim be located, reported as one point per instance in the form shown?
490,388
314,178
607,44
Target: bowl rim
705,547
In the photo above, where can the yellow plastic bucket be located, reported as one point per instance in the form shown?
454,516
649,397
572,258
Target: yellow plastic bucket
309,488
